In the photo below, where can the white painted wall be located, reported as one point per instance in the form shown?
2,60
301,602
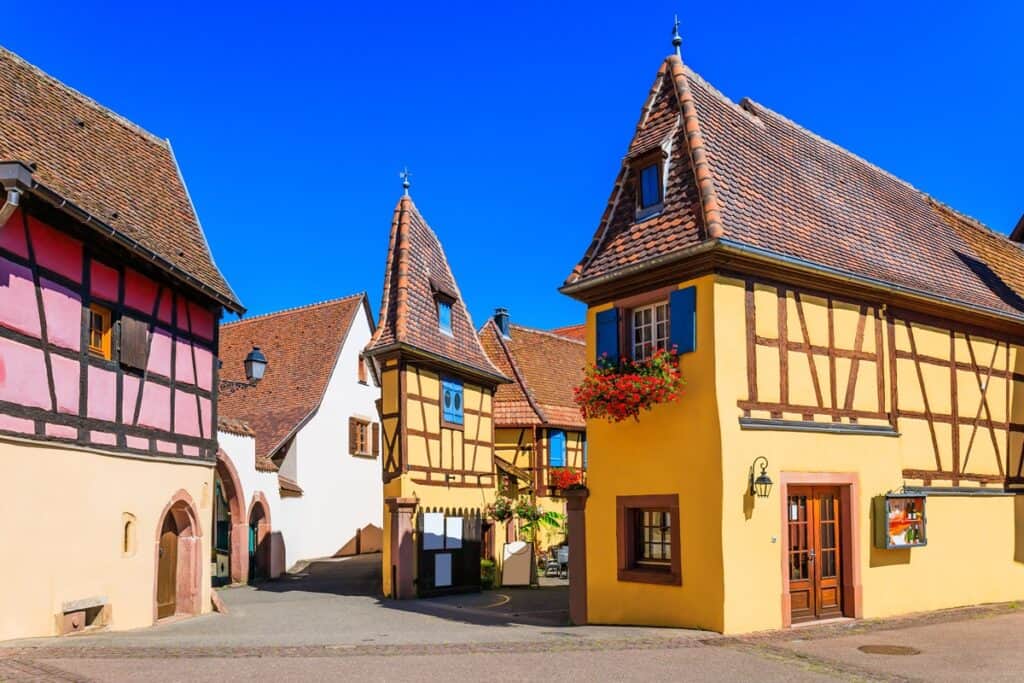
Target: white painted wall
341,493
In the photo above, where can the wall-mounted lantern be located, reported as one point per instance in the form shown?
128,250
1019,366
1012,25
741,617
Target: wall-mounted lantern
255,365
762,485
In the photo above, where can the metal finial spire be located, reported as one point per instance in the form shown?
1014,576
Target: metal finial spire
677,41
405,175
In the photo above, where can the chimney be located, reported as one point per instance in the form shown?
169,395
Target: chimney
502,321
1017,234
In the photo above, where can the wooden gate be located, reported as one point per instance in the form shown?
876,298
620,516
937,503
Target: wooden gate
448,551
167,569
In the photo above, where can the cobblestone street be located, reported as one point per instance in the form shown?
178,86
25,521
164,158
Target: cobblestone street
326,623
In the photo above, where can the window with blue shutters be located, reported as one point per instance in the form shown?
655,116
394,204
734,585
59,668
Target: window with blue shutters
556,446
608,335
683,314
451,401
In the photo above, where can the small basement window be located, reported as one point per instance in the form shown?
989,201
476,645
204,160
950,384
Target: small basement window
99,331
648,543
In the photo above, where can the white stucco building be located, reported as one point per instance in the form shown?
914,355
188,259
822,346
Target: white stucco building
298,473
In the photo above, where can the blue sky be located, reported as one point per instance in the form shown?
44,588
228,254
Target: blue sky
292,120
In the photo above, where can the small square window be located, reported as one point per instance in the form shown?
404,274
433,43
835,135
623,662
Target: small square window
451,401
651,330
99,331
363,437
650,187
648,530
444,316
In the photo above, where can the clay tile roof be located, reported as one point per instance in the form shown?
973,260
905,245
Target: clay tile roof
416,272
107,166
235,426
577,332
753,178
288,487
546,367
301,346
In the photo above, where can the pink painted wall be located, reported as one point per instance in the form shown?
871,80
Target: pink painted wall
186,414
55,250
204,368
183,369
18,309
166,446
156,406
139,291
65,383
23,375
160,353
104,438
103,281
206,417
101,397
62,431
63,310
202,321
129,394
12,236
137,442
16,424
191,451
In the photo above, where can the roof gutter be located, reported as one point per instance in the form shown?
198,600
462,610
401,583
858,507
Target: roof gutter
726,246
20,177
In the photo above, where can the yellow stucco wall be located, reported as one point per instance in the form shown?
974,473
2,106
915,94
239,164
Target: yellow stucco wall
971,541
732,573
673,449
63,536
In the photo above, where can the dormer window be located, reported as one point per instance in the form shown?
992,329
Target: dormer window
444,315
649,191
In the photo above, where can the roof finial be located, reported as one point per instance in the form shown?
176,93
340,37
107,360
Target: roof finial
677,41
405,175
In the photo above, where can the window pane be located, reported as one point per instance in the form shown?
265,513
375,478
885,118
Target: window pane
649,190
444,315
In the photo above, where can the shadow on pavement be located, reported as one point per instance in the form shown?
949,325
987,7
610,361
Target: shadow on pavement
361,576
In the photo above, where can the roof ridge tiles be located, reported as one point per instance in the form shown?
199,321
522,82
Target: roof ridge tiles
294,309
153,137
548,333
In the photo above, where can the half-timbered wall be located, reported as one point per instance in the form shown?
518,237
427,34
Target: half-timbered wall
52,388
952,394
443,455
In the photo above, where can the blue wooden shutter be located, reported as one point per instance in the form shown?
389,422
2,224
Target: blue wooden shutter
608,334
451,401
556,444
683,319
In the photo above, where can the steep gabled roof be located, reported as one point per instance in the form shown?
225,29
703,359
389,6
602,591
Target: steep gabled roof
416,273
302,347
745,175
108,167
545,368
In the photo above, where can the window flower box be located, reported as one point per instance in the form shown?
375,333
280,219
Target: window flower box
619,391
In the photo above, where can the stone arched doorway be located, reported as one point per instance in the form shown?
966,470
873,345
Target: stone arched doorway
259,538
176,588
229,525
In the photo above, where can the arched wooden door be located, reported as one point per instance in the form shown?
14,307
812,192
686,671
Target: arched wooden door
167,569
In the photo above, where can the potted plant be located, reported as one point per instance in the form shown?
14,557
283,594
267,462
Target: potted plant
564,479
619,391
502,509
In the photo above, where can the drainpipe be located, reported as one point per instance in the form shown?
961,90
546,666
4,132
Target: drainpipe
16,179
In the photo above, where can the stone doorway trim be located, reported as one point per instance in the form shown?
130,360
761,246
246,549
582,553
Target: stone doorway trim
189,572
849,495
239,562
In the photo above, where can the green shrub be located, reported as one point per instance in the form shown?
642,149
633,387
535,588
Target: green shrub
488,573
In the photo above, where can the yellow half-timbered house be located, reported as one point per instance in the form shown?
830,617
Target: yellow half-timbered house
849,441
436,410
538,426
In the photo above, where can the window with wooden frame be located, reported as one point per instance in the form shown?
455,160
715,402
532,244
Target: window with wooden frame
99,331
361,370
650,191
444,315
647,529
649,329
363,438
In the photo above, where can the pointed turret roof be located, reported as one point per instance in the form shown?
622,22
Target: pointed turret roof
416,275
745,178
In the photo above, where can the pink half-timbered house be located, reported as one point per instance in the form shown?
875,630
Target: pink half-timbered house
109,304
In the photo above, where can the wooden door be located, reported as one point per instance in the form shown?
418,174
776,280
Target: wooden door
814,553
167,570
